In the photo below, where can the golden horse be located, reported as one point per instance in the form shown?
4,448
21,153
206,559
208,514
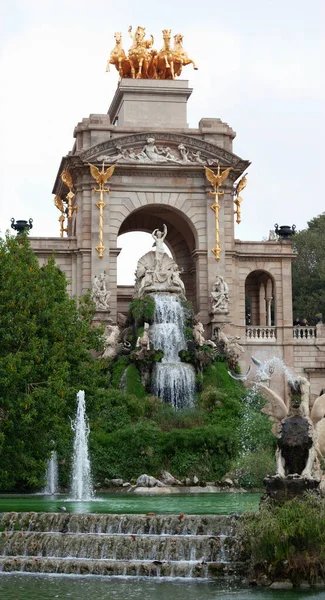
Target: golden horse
138,54
118,57
164,61
181,58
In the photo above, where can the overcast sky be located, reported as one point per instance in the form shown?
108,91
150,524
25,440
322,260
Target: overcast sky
261,70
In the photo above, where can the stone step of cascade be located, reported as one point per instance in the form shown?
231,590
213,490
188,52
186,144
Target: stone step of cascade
120,546
135,568
127,523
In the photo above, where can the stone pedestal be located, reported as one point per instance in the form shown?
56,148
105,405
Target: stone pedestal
150,103
218,322
101,317
290,487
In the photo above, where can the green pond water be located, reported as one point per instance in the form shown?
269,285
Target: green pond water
195,504
30,587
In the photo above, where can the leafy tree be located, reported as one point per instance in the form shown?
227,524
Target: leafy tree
44,361
308,271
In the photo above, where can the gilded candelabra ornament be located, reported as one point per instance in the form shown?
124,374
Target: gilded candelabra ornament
101,177
142,61
67,180
238,199
216,180
60,206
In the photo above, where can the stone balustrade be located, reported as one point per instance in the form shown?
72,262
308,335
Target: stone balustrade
304,333
300,335
259,333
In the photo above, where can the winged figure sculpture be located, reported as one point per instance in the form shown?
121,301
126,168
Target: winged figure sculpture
67,179
101,176
59,203
216,179
241,185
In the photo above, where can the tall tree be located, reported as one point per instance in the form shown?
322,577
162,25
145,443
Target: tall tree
308,271
44,361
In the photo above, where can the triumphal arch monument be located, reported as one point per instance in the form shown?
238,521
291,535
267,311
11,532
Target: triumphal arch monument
140,167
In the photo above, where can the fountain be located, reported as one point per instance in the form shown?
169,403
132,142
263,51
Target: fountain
81,488
52,475
173,381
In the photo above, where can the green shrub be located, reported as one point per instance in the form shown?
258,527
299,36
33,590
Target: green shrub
288,532
142,310
127,452
133,382
117,370
205,451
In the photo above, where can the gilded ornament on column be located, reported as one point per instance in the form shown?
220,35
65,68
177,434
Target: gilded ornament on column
238,199
101,177
216,180
67,180
60,206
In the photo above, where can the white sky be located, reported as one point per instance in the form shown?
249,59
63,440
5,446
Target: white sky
261,69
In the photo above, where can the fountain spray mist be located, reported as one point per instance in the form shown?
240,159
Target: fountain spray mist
52,475
81,488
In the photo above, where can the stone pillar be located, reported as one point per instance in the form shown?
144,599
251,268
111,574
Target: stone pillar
262,307
112,281
268,311
202,292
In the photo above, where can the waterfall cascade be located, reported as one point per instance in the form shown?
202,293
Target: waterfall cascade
81,488
129,545
173,381
52,475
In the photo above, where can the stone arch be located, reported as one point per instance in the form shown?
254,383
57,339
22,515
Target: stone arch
181,238
260,299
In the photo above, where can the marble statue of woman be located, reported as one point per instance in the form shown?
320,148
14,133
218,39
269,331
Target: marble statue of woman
159,237
151,153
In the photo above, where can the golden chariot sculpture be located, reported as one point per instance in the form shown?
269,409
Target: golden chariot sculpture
143,62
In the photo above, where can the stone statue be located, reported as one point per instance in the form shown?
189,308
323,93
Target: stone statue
184,154
100,294
157,272
151,153
174,279
111,338
159,237
143,341
230,343
198,333
115,339
220,296
301,441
